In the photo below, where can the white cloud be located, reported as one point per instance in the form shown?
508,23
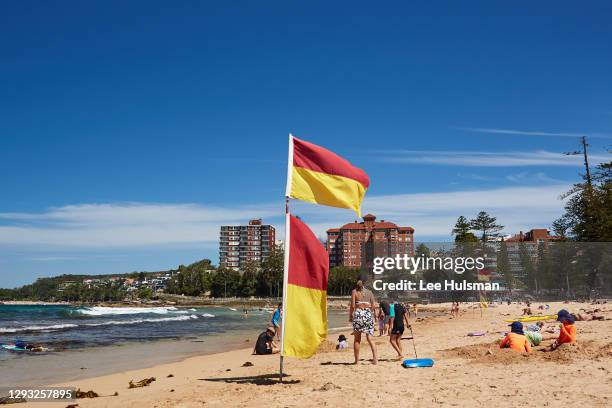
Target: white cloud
133,225
53,258
534,133
433,215
124,225
489,159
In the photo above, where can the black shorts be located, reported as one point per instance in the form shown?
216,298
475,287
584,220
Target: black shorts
263,352
398,330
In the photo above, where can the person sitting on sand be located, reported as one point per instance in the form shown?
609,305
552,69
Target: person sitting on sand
516,339
527,311
567,334
265,343
395,338
342,342
361,315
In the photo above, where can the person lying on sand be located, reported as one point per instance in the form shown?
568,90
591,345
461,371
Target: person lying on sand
567,334
516,339
585,317
265,343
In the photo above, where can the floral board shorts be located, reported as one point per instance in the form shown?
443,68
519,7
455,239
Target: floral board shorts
363,321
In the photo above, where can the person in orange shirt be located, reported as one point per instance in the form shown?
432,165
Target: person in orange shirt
516,339
568,329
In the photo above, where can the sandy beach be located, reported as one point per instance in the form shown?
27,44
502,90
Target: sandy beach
468,371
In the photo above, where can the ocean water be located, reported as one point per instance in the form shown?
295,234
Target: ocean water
85,342
59,328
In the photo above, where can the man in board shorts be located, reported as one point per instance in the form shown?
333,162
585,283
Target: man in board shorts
400,317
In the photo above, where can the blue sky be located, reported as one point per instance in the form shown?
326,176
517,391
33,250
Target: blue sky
131,130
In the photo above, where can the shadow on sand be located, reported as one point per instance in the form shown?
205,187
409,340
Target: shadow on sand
263,379
344,363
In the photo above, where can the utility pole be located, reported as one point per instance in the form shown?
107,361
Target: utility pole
586,161
584,144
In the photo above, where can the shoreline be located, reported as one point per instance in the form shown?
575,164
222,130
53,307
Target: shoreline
463,366
335,303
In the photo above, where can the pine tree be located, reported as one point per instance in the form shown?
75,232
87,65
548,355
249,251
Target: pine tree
485,223
462,231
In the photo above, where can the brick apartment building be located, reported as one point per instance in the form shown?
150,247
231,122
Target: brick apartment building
531,239
239,244
356,244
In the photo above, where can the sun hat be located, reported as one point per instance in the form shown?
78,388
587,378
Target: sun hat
517,327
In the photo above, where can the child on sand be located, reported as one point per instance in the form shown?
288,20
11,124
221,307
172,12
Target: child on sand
381,323
568,329
516,339
342,342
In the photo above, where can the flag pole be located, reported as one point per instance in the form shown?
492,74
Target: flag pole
285,278
286,260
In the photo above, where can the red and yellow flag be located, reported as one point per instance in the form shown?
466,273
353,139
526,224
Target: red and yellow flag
319,176
305,308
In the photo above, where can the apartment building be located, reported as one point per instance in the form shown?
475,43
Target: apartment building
240,244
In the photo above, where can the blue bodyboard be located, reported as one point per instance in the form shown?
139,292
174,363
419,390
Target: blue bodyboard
12,347
419,362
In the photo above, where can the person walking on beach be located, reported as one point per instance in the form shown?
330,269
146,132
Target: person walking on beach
361,315
276,316
384,309
395,337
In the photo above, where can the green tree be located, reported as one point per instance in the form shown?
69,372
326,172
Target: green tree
270,278
422,250
248,279
225,283
342,280
588,212
544,268
462,231
503,266
487,224
531,279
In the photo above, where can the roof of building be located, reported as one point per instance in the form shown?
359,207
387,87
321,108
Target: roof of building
375,225
529,236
